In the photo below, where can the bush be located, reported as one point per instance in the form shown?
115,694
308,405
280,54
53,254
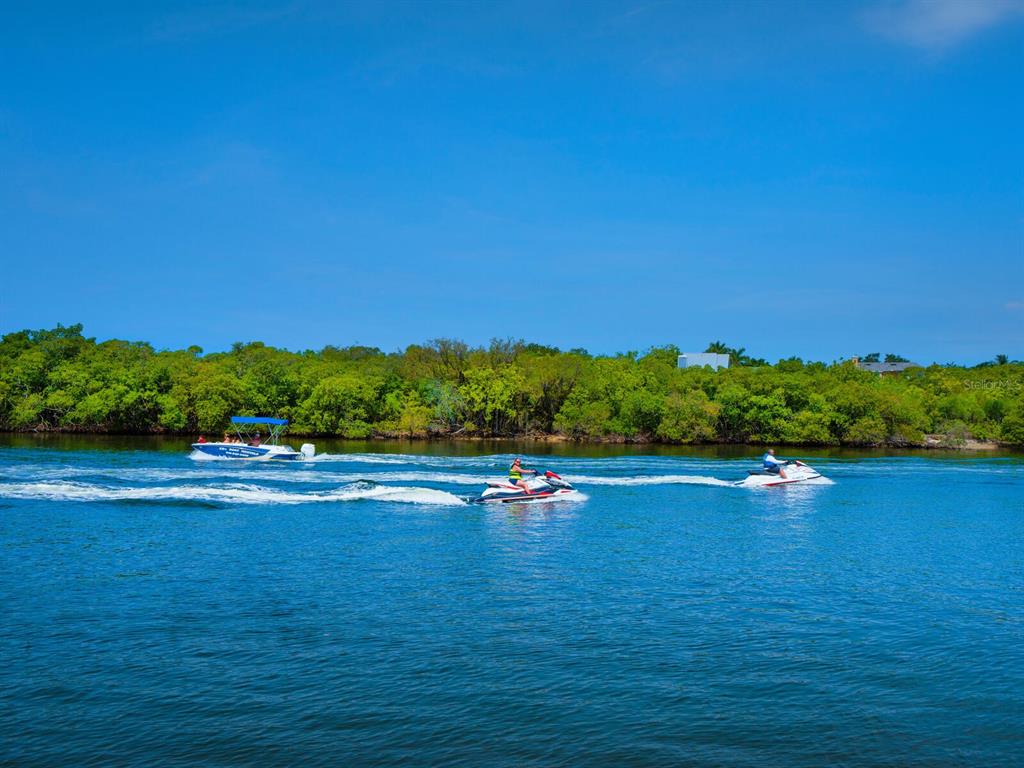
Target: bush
869,430
59,379
688,418
1013,426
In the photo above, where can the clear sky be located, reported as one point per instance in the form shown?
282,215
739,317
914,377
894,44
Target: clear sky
817,179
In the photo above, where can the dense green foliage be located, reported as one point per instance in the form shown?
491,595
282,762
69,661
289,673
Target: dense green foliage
58,379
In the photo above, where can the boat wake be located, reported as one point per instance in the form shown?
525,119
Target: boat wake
367,458
400,478
438,469
462,478
652,480
468,479
296,474
226,494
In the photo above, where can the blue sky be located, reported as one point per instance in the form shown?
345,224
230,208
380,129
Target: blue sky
812,179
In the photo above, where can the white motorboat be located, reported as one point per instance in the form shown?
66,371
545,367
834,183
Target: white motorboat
249,447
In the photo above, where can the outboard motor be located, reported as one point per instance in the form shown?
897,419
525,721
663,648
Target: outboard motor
308,450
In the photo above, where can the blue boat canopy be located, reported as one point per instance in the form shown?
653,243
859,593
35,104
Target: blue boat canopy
258,420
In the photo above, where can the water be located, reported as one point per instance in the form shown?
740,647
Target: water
160,611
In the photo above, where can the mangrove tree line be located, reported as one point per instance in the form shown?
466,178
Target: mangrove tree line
61,380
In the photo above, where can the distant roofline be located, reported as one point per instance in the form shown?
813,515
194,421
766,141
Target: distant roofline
884,367
703,360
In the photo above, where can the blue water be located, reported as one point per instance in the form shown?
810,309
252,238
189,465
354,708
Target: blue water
161,611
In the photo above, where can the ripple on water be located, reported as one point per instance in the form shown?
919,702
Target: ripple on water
157,611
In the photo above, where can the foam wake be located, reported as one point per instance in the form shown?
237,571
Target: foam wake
650,480
227,494
460,478
368,458
227,471
297,475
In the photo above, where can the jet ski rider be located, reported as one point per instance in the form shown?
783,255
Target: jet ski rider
516,472
774,466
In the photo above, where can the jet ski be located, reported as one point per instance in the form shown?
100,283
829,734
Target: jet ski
796,472
542,488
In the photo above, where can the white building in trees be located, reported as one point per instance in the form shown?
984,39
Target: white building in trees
699,359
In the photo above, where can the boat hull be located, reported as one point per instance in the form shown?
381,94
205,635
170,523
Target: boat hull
522,498
242,452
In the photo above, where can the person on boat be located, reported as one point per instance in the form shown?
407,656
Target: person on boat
255,442
201,439
516,472
773,465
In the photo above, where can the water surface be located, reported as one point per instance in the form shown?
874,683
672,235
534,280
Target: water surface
357,610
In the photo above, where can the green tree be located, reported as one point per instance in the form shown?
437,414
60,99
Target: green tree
491,397
688,417
341,405
641,412
60,379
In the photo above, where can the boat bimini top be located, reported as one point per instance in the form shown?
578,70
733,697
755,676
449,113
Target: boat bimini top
275,427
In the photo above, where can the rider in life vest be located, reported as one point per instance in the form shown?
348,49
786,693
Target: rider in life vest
515,474
774,465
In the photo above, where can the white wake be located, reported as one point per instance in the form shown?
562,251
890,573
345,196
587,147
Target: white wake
232,494
650,480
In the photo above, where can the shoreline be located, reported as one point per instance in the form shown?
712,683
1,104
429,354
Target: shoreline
931,442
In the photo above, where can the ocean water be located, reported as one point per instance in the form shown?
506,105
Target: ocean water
356,610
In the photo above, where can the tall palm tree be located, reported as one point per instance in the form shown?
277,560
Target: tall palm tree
1002,359
719,347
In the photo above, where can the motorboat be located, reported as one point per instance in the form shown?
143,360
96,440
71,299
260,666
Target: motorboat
541,488
248,445
796,472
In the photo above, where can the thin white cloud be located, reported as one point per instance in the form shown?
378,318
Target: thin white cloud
940,24
1014,306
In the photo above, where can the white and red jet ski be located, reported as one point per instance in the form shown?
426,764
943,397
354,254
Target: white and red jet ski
542,488
796,472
